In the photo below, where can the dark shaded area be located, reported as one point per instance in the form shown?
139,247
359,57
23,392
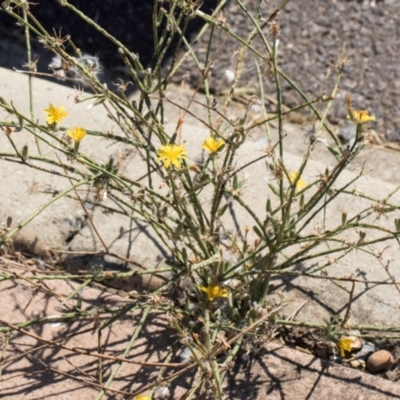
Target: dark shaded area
129,21
315,35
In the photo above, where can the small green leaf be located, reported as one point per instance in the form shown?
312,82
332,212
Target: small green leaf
235,182
184,255
269,207
173,138
335,152
344,217
24,153
222,210
274,189
258,232
302,200
99,101
110,164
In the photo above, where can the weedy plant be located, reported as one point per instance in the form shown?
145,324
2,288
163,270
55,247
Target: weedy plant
226,304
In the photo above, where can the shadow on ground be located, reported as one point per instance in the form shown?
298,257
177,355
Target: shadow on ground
130,22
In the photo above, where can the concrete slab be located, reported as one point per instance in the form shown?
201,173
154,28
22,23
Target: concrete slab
63,225
40,362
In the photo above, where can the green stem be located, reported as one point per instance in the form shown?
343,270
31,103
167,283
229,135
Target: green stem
126,352
30,67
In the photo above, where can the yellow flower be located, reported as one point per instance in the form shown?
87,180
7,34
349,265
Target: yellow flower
301,184
214,291
171,154
360,116
142,397
213,145
77,134
345,344
55,114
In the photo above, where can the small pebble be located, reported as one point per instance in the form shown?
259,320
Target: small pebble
336,359
347,133
322,352
356,364
366,350
381,360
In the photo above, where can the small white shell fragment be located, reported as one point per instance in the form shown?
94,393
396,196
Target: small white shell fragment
229,76
366,350
355,363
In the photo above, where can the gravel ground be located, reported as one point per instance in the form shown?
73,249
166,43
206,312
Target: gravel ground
314,34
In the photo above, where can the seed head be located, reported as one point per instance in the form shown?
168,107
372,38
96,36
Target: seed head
162,392
91,64
274,30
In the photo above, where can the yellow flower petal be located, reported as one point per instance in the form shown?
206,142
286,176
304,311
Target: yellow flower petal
142,397
77,134
301,184
55,114
171,154
213,145
214,291
360,116
345,344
